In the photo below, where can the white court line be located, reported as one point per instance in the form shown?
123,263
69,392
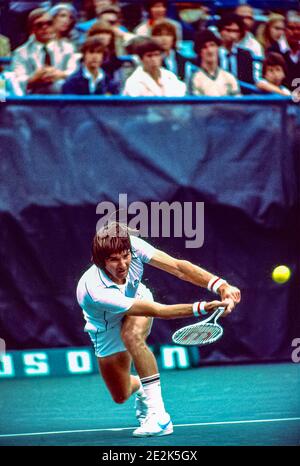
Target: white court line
250,421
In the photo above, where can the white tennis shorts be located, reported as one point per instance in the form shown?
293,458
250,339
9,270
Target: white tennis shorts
109,341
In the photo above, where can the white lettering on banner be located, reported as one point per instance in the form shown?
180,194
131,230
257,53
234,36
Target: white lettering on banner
7,366
79,362
172,354
296,352
36,364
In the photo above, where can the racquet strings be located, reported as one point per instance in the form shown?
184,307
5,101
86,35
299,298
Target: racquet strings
202,333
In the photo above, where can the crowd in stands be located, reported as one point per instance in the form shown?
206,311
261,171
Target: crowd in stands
102,47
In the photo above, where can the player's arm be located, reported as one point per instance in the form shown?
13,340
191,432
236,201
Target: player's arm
172,311
194,274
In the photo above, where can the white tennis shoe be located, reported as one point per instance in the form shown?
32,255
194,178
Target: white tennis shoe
141,408
154,425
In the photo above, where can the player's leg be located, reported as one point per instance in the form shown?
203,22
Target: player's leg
134,333
115,370
114,363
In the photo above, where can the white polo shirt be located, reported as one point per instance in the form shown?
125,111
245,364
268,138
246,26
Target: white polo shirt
104,302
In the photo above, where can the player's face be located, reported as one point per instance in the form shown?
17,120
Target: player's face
117,266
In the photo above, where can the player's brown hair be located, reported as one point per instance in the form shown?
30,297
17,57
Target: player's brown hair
112,238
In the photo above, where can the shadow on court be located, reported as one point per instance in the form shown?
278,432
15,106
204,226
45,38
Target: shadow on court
223,405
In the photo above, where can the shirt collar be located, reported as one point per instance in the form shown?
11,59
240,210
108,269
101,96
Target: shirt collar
107,281
171,55
89,76
233,51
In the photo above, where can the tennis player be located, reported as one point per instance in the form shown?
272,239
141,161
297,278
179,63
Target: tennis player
119,309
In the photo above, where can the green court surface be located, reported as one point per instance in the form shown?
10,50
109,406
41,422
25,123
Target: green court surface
219,405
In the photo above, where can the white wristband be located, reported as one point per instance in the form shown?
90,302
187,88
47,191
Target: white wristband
199,309
215,283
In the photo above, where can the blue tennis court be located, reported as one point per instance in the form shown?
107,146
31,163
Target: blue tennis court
218,405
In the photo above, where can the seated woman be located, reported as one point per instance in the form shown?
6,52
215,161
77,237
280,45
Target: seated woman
64,19
157,11
271,35
91,79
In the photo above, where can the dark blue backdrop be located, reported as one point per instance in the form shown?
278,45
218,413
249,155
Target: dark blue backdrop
60,158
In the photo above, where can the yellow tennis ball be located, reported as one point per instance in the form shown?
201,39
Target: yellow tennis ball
281,274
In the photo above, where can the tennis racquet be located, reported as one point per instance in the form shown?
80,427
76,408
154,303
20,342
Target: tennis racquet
202,333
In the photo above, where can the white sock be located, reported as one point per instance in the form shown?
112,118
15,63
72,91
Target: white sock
140,391
152,389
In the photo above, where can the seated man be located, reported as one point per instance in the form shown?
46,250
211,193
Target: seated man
292,55
211,80
232,58
91,78
42,64
150,78
249,41
274,72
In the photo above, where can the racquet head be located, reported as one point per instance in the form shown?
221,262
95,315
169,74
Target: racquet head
201,333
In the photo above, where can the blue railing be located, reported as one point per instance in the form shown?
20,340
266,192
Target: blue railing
257,99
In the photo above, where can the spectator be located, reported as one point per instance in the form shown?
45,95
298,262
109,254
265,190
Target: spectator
91,79
4,46
274,71
9,86
105,33
151,79
112,15
233,59
292,56
17,17
42,64
91,10
271,35
157,11
64,19
165,33
211,80
249,42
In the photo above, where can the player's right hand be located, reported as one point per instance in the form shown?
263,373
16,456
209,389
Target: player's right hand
213,305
